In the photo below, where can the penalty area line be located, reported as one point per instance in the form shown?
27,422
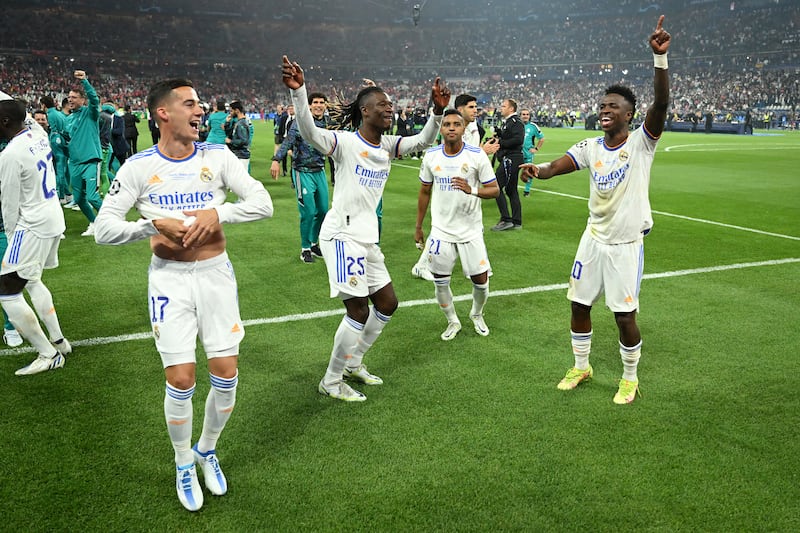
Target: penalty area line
99,341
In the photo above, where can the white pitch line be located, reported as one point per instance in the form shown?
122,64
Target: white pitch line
693,219
98,341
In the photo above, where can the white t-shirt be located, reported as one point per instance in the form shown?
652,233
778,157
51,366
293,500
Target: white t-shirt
362,169
28,185
160,187
619,204
456,216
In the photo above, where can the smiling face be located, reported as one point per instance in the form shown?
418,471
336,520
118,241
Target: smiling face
317,107
377,111
76,100
615,113
180,115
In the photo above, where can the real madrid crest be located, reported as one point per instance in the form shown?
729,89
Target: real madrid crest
156,332
353,281
623,156
464,169
206,176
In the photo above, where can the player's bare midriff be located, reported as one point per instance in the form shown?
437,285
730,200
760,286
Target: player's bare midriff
166,249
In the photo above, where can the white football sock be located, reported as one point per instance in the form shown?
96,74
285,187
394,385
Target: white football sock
480,293
24,319
42,301
344,342
219,405
630,360
178,412
444,296
376,321
581,346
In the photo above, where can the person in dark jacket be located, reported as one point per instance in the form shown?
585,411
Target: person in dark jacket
131,132
510,135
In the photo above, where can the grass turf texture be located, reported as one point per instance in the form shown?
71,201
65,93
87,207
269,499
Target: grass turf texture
466,435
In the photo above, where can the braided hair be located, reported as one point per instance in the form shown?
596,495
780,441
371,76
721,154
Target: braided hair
348,116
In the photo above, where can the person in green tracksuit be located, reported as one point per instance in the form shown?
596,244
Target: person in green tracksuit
85,154
534,138
311,183
58,144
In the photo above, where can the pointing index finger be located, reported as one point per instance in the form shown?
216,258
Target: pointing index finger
660,22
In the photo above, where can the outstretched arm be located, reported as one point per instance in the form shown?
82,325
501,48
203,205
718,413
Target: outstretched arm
657,113
320,138
562,165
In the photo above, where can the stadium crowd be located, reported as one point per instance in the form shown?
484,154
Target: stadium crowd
554,61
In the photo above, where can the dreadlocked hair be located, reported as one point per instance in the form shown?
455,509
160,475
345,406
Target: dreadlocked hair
347,116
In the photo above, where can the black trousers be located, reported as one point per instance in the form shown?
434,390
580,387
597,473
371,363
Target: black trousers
507,175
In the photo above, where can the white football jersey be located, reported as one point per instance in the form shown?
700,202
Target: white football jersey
471,134
456,215
619,204
160,187
362,169
28,185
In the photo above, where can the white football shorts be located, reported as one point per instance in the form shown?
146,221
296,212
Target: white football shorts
28,255
354,268
191,299
613,268
442,255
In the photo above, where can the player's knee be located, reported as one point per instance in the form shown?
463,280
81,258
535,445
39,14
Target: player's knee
626,321
580,310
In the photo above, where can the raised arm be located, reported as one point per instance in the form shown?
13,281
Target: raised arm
440,94
320,138
657,112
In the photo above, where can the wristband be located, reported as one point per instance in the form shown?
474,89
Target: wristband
660,61
474,191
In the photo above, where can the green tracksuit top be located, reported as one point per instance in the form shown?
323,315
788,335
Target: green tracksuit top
84,131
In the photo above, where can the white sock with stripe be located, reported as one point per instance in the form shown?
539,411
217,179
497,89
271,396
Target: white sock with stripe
581,347
630,360
376,321
344,343
219,406
178,412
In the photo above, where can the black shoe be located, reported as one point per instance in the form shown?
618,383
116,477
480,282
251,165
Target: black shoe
315,251
306,257
526,193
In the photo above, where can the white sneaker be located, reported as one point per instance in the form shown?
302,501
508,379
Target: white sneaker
63,346
452,330
89,230
212,473
421,272
480,325
189,492
12,338
69,205
361,374
341,391
41,364
75,207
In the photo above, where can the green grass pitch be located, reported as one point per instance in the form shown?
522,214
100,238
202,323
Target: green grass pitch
469,435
